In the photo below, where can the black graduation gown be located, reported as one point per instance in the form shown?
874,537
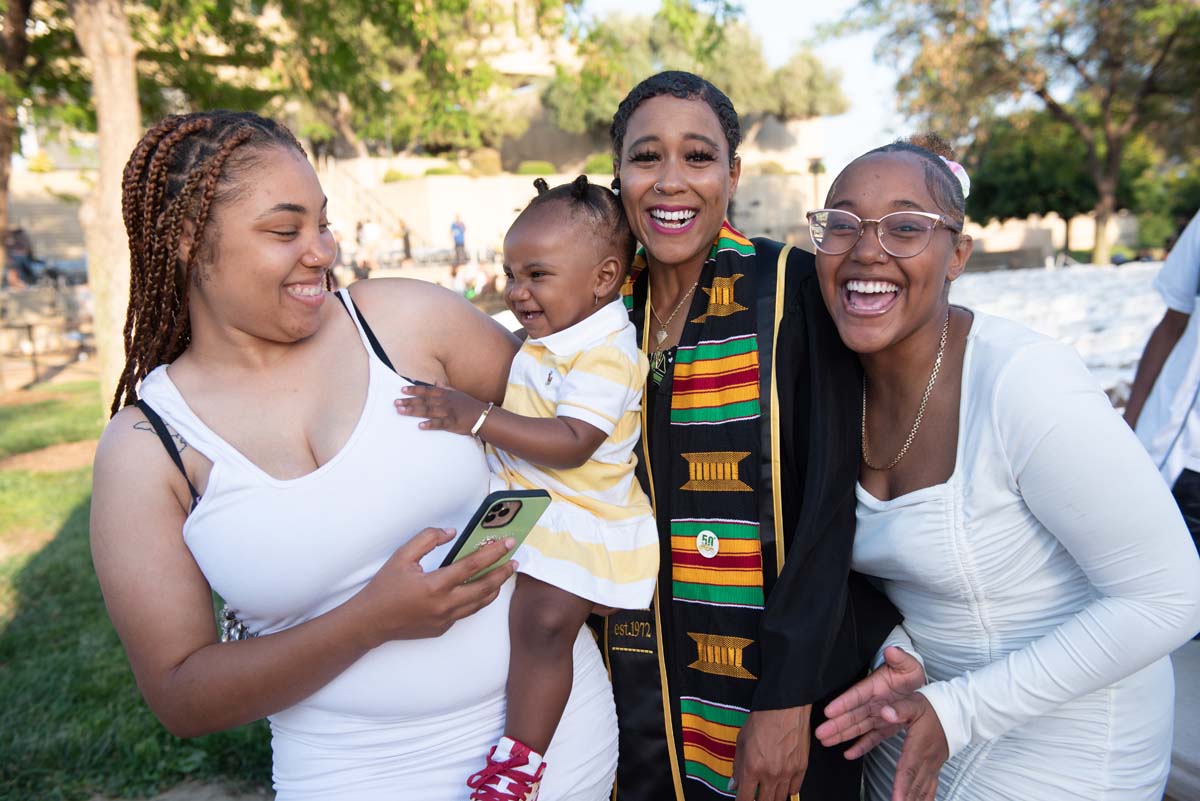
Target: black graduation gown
822,623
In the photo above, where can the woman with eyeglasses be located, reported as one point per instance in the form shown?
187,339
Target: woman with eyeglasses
1039,561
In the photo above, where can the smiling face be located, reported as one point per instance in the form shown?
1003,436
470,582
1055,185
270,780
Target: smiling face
875,298
261,266
676,178
557,270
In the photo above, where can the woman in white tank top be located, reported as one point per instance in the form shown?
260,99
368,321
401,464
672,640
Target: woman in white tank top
299,495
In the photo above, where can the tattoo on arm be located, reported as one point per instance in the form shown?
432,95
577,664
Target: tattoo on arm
180,442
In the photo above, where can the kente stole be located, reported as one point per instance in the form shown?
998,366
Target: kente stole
716,440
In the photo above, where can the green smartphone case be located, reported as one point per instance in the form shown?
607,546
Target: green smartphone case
497,518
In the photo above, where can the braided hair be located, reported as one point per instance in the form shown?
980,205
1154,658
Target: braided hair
600,206
685,86
181,169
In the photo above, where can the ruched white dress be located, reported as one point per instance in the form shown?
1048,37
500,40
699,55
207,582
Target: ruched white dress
1043,585
411,719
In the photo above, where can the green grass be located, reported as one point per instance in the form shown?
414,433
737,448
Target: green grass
72,722
65,413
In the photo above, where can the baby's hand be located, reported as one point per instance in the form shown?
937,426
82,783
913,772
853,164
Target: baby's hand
445,409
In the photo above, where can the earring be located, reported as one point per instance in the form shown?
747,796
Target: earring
595,299
616,186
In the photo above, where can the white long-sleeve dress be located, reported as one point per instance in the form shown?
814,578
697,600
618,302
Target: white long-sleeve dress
1043,584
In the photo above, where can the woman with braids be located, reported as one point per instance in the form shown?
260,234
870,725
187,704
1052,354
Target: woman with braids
299,495
1042,568
569,425
749,454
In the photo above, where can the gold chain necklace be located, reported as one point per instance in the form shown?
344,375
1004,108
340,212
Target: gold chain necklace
661,334
937,365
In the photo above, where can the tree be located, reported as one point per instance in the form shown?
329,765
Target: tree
102,29
413,71
14,46
816,168
41,74
1107,68
1167,197
338,58
619,51
1032,163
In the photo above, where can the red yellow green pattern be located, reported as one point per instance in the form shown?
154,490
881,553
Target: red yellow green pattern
709,740
733,577
716,382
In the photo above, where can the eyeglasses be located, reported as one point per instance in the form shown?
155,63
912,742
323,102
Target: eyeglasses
903,234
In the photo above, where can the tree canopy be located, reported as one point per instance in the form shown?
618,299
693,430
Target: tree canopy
618,51
1032,163
1108,69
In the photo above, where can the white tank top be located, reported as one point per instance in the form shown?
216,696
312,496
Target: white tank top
281,552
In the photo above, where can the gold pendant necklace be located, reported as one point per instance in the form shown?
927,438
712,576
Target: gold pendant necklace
937,365
661,334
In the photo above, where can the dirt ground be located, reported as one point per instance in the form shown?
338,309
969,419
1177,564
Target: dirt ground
67,456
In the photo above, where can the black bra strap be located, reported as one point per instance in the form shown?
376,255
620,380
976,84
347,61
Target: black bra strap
375,346
164,436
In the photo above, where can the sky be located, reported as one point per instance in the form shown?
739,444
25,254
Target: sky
783,25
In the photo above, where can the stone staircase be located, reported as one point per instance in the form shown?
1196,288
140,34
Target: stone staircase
53,226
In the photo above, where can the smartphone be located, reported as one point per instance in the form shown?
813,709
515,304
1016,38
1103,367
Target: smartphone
506,513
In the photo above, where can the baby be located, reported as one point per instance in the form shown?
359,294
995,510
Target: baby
569,424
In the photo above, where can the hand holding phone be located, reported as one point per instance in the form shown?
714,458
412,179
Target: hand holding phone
506,513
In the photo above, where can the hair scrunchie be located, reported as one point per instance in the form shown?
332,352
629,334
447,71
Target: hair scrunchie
960,173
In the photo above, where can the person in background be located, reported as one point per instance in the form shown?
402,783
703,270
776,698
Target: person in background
18,249
1164,402
458,232
366,255
406,243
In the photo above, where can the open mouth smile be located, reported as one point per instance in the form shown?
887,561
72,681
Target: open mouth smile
310,294
869,297
672,219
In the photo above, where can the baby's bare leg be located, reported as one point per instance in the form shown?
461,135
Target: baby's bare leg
543,623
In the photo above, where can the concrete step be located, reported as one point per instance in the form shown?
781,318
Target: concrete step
53,226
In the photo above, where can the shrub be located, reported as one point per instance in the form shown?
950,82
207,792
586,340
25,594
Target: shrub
486,161
536,168
771,168
1154,228
1121,254
393,175
449,169
41,162
599,164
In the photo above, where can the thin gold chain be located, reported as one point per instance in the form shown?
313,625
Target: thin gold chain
663,326
912,434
